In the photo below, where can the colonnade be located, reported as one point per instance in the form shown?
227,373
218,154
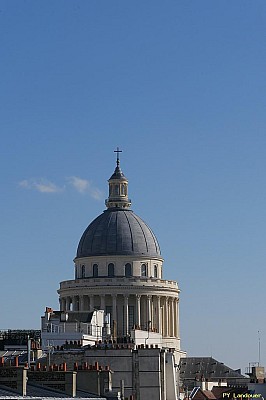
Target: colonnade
147,312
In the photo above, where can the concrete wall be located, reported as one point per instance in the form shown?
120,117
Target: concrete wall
143,371
171,389
146,337
94,381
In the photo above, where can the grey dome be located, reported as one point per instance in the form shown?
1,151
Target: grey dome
118,232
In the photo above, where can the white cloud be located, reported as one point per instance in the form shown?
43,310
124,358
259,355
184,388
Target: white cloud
47,187
97,194
85,186
81,185
41,185
25,184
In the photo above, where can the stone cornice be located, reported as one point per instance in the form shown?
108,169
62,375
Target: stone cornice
119,290
153,283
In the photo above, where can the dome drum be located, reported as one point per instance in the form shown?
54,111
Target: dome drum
123,267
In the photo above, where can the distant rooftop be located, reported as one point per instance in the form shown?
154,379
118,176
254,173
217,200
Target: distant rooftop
207,368
38,392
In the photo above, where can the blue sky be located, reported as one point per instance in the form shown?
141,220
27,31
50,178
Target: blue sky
180,87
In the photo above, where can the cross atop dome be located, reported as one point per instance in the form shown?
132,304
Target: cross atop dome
117,151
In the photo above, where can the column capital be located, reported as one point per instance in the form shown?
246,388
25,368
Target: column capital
175,300
171,299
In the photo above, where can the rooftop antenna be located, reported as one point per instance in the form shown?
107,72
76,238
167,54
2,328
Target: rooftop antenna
259,346
117,151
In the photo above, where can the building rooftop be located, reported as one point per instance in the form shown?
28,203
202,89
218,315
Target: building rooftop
207,368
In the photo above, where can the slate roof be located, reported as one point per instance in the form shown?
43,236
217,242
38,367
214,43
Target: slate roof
40,392
192,367
195,368
118,232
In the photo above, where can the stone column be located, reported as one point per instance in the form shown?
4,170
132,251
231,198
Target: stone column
62,302
152,313
86,302
74,303
166,317
169,316
148,312
67,303
125,315
177,318
92,302
138,296
159,322
81,303
102,302
172,318
114,317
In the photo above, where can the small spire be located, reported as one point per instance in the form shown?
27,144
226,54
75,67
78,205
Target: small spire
118,187
117,151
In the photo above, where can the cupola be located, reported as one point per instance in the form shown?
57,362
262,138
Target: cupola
118,188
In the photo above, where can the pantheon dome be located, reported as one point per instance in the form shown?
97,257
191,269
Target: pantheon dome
119,269
118,232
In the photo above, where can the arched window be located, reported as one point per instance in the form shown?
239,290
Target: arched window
156,271
95,270
76,272
128,270
143,270
111,270
83,271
